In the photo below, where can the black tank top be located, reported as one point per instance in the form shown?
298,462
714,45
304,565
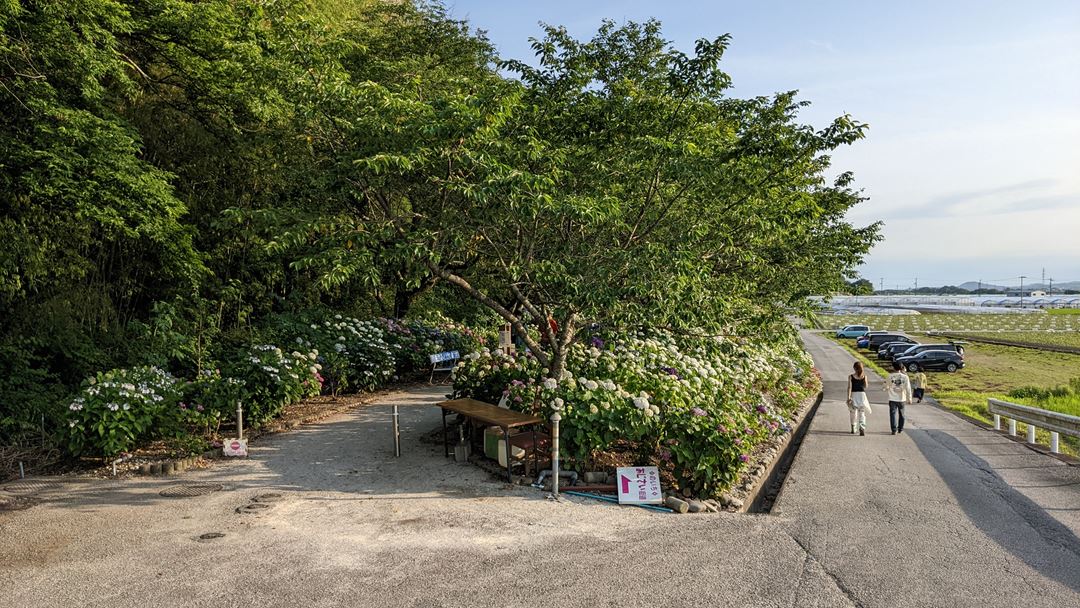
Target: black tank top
858,385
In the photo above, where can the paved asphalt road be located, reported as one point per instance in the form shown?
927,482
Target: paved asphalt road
944,515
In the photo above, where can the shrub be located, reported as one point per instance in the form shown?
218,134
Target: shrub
354,353
414,340
117,409
273,378
698,408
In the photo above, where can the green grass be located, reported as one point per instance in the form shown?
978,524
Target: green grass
991,371
1063,311
1034,337
958,322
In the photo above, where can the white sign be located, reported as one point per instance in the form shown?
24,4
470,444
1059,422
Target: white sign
638,485
235,447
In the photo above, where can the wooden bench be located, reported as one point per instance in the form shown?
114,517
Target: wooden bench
443,362
492,415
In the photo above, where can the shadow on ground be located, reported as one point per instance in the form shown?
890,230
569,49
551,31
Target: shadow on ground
1016,523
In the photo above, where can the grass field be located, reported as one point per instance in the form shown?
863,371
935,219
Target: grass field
957,322
993,371
1052,338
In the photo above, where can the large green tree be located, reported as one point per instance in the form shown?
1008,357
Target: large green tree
614,181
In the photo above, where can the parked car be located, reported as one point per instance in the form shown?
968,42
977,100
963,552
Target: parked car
918,348
948,360
864,340
877,340
889,350
852,331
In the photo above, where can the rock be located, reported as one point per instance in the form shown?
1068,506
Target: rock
736,503
595,477
759,471
712,506
676,505
696,506
725,499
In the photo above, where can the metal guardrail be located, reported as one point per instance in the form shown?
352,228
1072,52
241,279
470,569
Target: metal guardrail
1034,417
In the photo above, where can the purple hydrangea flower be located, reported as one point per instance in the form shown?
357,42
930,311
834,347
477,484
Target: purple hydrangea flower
665,455
744,458
697,411
597,342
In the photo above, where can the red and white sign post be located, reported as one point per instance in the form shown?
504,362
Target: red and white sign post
639,486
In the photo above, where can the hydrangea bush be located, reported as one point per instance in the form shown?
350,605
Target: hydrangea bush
698,408
115,410
415,339
273,378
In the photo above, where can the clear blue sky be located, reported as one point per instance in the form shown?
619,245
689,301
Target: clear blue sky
974,113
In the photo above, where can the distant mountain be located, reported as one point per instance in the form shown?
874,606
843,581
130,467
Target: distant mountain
973,285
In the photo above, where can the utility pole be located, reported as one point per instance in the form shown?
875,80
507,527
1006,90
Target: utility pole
1050,289
1043,284
881,283
1022,277
916,283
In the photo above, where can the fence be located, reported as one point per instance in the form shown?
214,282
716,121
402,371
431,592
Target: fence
1035,418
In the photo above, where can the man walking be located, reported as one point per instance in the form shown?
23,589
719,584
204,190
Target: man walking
899,388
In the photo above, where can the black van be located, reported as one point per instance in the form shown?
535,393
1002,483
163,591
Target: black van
918,348
877,340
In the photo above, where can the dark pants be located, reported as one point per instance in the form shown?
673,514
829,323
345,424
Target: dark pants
895,408
918,393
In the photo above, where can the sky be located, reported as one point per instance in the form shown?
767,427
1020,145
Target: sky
972,159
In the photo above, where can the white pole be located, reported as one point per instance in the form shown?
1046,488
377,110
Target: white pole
997,422
1012,427
1031,433
555,418
397,434
239,421
1054,442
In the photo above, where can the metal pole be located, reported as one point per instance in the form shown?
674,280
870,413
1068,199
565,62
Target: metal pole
1030,433
1012,427
239,421
555,418
397,434
22,472
997,422
1054,442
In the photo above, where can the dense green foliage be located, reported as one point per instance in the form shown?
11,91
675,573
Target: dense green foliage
699,409
183,180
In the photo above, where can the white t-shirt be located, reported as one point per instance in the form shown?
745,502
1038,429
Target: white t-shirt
899,387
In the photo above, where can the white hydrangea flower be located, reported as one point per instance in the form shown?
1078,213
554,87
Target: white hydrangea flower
551,384
591,385
557,403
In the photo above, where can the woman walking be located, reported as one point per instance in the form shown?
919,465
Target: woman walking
857,402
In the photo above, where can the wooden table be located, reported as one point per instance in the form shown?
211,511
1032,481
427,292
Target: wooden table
491,415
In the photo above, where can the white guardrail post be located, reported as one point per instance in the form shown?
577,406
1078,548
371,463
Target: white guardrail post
1035,418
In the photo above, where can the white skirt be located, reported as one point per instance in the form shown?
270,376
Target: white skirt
859,400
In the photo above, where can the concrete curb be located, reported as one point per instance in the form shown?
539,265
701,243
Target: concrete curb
776,471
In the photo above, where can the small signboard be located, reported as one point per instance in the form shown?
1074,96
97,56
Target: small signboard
235,447
639,486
